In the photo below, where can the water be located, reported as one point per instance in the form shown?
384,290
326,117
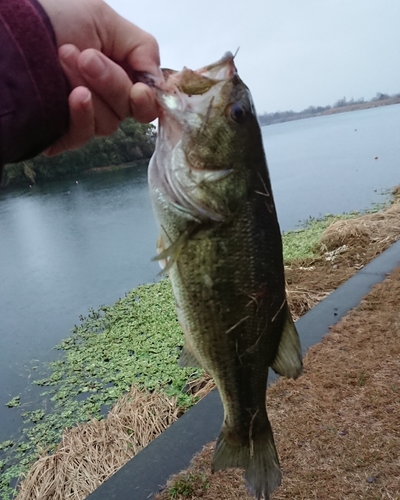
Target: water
66,247
327,164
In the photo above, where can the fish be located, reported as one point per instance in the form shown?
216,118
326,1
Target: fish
220,243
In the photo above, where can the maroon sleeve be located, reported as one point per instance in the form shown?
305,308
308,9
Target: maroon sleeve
33,88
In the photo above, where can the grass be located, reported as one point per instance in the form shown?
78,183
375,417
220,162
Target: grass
188,486
303,243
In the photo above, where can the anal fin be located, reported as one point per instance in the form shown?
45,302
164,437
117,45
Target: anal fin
288,361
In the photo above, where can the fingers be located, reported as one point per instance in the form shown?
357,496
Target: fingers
114,96
145,56
81,128
107,80
106,119
143,103
103,96
112,85
125,42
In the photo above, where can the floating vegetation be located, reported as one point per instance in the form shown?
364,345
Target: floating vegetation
15,401
136,341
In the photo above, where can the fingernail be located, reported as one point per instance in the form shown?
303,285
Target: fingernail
87,98
93,66
65,51
157,75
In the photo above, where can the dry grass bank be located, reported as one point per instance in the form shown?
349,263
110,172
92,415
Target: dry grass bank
90,453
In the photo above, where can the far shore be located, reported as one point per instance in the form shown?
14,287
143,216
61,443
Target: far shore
342,109
120,166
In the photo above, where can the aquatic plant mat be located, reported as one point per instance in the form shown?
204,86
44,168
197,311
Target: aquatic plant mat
337,428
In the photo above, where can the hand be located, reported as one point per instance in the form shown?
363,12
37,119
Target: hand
98,50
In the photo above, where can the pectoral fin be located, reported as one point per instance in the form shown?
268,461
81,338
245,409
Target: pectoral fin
287,361
160,249
170,255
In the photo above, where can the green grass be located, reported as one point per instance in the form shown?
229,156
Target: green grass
187,485
303,243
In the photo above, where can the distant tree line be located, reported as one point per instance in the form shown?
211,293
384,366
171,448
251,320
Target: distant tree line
131,142
283,116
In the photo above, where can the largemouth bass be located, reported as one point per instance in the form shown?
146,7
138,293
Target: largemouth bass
221,245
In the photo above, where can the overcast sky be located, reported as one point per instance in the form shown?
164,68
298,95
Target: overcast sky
293,53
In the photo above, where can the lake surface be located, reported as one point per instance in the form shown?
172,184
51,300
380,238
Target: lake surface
66,247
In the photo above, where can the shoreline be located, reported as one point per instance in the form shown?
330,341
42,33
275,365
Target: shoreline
112,168
302,115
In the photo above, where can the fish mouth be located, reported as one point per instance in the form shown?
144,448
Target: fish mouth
175,92
198,82
223,69
188,97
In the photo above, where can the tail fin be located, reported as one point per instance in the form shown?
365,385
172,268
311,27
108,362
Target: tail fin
259,459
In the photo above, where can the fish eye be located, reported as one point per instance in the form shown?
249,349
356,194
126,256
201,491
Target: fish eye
237,112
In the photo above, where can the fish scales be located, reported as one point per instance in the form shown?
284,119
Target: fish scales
221,245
